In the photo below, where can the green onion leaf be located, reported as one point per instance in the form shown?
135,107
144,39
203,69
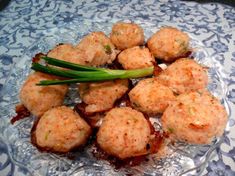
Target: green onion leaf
108,49
66,73
79,73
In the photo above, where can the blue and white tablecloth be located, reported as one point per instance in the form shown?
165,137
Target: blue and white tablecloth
24,22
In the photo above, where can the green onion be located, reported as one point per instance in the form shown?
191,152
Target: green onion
108,49
79,73
171,130
65,73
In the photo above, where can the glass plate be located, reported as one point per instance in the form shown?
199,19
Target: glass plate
183,158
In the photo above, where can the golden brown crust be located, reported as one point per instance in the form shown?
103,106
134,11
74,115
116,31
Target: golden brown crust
101,96
196,117
124,133
61,130
151,97
136,58
126,35
168,43
184,75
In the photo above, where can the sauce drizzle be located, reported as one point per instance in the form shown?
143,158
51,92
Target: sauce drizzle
21,113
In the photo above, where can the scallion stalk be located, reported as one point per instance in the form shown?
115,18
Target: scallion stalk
79,73
66,73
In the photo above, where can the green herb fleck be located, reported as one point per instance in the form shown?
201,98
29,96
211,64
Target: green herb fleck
108,49
135,104
47,134
192,110
171,130
82,132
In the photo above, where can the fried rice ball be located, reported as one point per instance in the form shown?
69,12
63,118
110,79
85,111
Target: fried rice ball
126,35
61,129
196,117
69,53
124,133
102,96
95,49
135,58
184,75
39,99
168,43
151,97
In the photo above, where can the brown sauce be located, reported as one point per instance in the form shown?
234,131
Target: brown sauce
157,70
115,65
114,161
186,55
124,100
117,163
80,109
91,118
157,137
37,57
21,113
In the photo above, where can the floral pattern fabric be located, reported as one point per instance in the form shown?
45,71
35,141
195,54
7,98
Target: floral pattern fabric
24,22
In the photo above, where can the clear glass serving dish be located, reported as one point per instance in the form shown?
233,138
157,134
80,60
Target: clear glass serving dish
181,159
